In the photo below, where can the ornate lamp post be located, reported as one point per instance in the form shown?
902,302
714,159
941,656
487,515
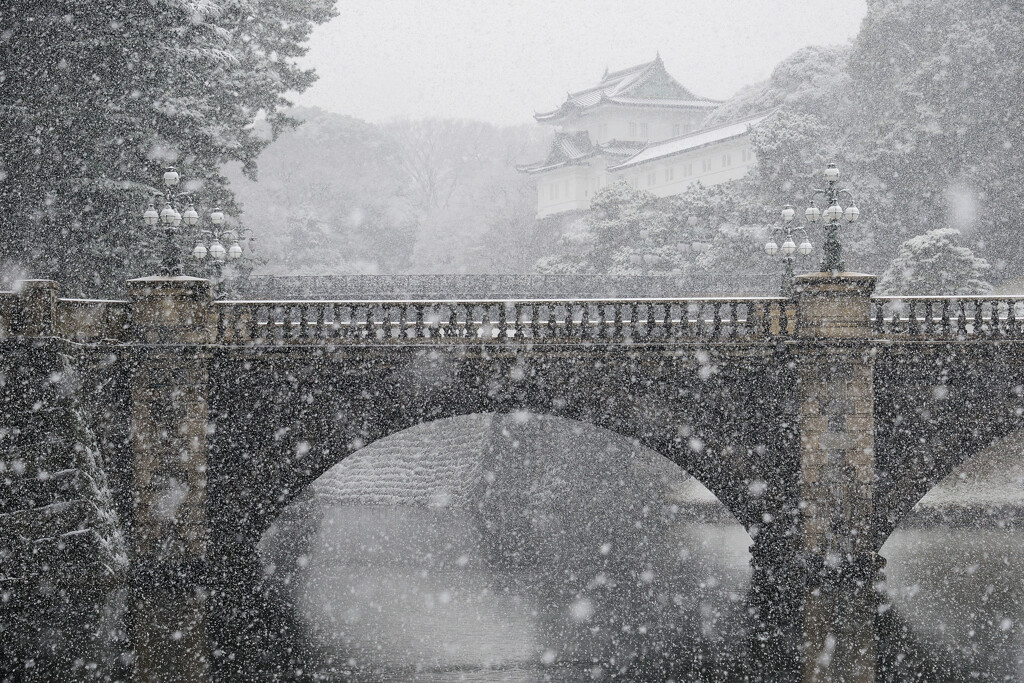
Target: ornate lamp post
832,249
789,247
170,218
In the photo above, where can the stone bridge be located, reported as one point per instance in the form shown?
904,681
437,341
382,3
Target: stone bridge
818,421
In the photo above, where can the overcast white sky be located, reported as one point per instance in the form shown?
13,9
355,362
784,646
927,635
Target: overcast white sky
500,61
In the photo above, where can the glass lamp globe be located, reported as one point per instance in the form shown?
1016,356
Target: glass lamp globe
834,213
805,248
217,217
167,215
217,250
788,213
199,253
788,247
771,248
171,177
235,251
151,215
191,216
851,214
831,173
812,214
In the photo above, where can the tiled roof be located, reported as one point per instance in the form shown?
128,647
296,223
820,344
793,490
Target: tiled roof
627,87
691,141
572,148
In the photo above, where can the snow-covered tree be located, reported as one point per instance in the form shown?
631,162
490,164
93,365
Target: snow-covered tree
99,97
935,263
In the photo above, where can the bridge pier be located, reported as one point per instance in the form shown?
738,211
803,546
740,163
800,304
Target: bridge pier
169,526
835,370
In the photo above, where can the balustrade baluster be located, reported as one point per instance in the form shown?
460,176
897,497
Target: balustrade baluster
634,321
979,317
502,320
929,317
879,321
417,321
716,327
617,323
403,322
784,318
485,330
370,330
997,323
300,316
945,317
733,322
961,318
552,321
517,320
252,321
1011,317
648,322
453,321
534,320
913,328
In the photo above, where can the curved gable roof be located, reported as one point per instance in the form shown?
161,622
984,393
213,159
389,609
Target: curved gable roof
647,84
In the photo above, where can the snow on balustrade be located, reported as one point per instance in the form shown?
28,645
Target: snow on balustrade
947,317
638,320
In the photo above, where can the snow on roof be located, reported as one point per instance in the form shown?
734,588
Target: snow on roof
691,141
644,85
573,148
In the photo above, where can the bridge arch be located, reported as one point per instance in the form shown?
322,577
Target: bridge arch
280,424
504,496
936,410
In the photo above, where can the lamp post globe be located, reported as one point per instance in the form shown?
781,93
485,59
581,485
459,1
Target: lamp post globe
217,250
171,177
151,216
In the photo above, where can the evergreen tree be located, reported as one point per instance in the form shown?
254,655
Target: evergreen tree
935,263
99,97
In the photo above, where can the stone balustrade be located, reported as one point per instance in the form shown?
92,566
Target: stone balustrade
947,318
551,320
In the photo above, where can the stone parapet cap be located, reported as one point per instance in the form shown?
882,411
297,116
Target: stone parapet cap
182,286
839,283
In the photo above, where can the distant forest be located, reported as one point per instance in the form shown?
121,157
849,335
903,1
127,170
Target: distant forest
340,196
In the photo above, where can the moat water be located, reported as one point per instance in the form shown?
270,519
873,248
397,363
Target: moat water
397,594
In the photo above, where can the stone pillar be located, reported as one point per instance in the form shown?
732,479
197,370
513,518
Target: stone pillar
37,305
171,323
837,472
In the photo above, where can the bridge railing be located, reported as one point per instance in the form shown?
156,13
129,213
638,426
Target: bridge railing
947,318
640,320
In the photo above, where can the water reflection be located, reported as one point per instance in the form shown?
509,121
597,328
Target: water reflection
961,594
479,575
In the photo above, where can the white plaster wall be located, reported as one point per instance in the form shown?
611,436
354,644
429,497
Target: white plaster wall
577,184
